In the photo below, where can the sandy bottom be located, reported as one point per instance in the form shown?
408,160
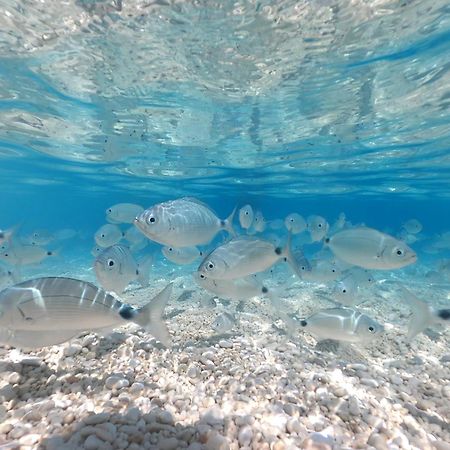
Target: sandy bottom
254,387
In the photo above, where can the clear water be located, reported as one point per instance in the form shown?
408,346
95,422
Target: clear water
315,107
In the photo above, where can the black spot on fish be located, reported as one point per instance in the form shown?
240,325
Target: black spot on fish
278,250
126,312
222,223
303,323
327,240
444,314
264,290
49,253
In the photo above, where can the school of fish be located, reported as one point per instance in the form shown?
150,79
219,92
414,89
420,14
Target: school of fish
231,258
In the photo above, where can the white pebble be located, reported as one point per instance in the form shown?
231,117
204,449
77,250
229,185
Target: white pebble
72,350
29,439
225,344
116,382
213,416
245,435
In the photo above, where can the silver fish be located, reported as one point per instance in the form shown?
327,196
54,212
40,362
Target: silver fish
244,256
183,255
322,271
342,324
115,268
184,222
246,216
317,227
18,255
345,291
412,226
108,235
50,311
124,212
423,315
224,322
295,223
7,277
370,249
6,235
259,222
39,237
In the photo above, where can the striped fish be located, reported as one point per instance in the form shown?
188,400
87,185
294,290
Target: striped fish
49,311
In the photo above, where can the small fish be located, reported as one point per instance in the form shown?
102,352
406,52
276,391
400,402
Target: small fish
322,271
183,255
246,216
6,235
362,277
49,311
7,277
244,256
237,289
317,227
108,235
259,222
295,223
19,255
208,302
124,212
115,268
370,249
224,322
184,222
96,250
423,315
412,226
39,237
339,224
345,291
342,324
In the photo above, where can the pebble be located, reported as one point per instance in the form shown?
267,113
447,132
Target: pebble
213,416
377,441
17,432
395,379
116,382
369,382
95,419
7,393
93,443
72,350
168,444
29,439
245,435
225,344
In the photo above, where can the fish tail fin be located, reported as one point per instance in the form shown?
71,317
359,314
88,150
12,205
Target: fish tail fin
290,259
422,314
10,232
150,316
144,267
227,224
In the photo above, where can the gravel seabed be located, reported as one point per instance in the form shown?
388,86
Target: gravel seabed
255,387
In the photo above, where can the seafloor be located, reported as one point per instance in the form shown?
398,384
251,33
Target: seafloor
255,387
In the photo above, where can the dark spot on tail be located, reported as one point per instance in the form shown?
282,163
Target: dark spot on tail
278,250
49,253
222,223
444,314
303,323
264,290
126,312
327,240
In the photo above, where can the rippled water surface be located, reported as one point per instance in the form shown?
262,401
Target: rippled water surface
270,98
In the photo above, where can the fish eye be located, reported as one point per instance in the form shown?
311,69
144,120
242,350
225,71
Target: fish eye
152,220
246,213
102,235
109,210
202,276
170,249
371,329
110,262
344,291
210,265
319,225
399,252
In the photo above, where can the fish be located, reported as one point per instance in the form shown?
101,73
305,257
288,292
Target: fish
124,212
224,322
423,315
6,235
322,271
183,255
96,250
295,223
184,222
7,277
115,268
370,249
362,277
19,255
342,324
345,291
339,224
246,216
317,227
108,235
259,222
39,237
52,310
237,289
244,255
412,226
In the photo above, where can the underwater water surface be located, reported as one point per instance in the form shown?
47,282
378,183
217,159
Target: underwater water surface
315,107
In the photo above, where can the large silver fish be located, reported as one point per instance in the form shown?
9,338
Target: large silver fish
370,249
116,268
184,222
49,311
244,256
342,324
